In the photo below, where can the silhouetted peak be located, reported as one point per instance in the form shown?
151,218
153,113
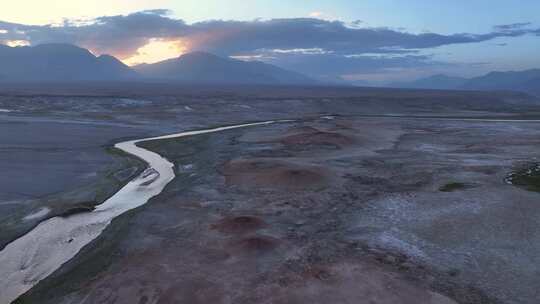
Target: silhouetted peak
203,67
60,62
61,48
199,54
110,59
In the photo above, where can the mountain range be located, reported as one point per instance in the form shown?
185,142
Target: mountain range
68,63
200,67
523,81
59,62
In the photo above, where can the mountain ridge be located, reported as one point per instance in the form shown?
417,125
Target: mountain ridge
69,63
527,81
202,67
59,62
438,81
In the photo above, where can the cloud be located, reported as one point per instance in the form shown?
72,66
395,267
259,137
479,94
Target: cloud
512,26
321,15
316,14
124,34
229,37
312,51
312,45
159,12
118,35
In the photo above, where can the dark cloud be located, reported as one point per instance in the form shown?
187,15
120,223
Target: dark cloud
127,33
297,42
117,35
512,26
229,37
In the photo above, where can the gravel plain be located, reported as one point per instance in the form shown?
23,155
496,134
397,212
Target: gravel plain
366,197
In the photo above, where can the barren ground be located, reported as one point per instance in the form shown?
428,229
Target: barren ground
344,205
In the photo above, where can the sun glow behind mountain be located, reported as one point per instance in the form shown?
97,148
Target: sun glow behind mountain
157,50
338,40
15,43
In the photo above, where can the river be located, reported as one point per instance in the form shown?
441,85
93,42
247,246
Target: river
36,255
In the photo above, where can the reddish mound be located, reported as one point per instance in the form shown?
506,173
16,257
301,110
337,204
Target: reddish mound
255,245
303,129
274,174
239,224
196,291
313,136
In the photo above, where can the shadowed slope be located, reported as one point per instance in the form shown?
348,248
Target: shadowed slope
200,67
59,63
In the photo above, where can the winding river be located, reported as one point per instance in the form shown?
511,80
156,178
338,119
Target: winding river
36,255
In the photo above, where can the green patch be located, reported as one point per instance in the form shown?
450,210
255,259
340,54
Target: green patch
454,186
527,178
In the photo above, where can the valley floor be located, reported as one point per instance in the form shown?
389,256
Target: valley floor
346,204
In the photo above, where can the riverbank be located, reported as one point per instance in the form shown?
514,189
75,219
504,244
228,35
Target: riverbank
57,240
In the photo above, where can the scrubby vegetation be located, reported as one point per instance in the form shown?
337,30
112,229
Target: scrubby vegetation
454,186
527,178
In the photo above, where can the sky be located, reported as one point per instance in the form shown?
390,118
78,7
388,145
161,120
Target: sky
373,41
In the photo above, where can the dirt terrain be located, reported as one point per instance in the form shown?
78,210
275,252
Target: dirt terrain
346,204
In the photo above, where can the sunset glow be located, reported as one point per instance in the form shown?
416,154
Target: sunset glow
365,39
157,50
14,43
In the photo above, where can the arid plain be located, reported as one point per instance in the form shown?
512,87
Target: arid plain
351,196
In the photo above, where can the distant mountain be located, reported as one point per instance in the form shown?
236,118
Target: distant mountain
439,82
339,81
205,68
533,86
69,63
527,81
59,63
